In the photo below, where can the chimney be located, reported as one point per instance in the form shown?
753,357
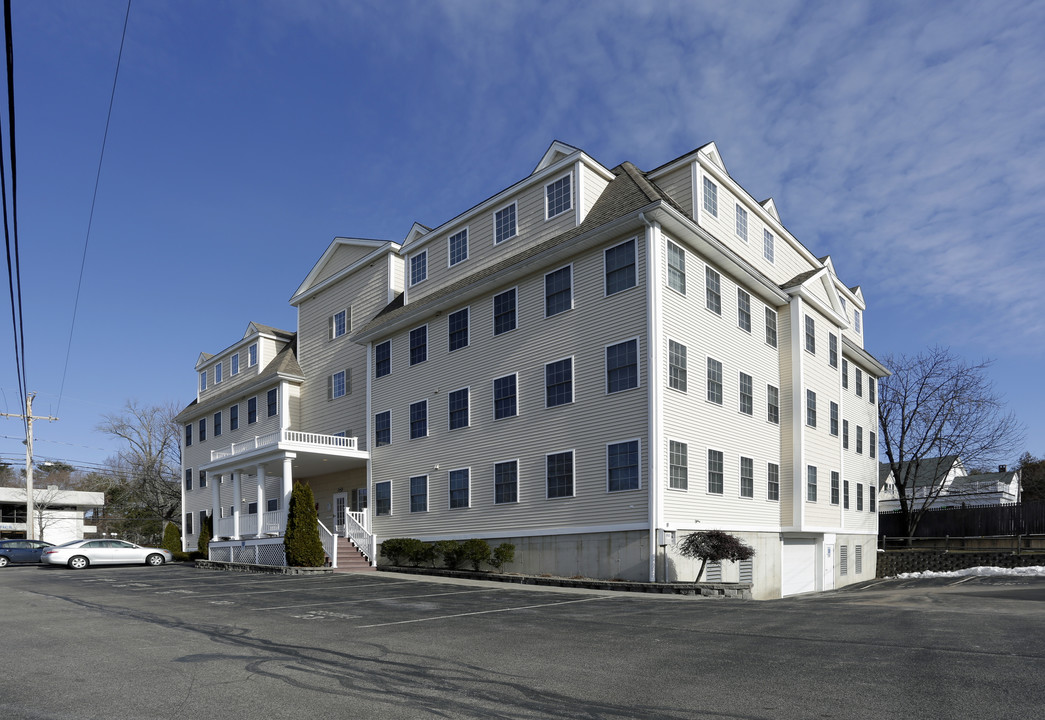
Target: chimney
1003,468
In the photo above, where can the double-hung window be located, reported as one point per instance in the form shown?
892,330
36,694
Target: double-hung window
419,267
558,197
558,382
504,224
419,419
773,481
714,381
203,381
716,471
234,417
506,482
859,496
741,223
845,374
339,324
188,478
710,197
457,248
272,398
811,483
559,474
872,388
747,477
810,335
505,401
203,429
252,355
419,493
383,429
859,439
832,350
217,373
203,478
558,291
743,310
773,404
676,366
504,312
383,498
622,366
713,290
458,408
834,488
620,267
858,382
768,243
810,408
337,385
770,326
457,322
747,394
676,268
234,364
678,465
834,418
857,321
622,466
217,424
252,410
845,434
872,443
845,494
188,435
383,359
419,345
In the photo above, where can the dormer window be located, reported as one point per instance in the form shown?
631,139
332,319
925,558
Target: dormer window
504,224
252,355
217,373
558,197
458,247
203,381
234,365
710,198
339,324
857,321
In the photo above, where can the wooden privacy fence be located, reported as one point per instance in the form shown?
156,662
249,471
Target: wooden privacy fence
978,521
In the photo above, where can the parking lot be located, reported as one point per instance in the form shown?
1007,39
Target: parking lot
174,641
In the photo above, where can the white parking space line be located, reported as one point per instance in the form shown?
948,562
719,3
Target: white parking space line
373,599
338,588
485,612
963,580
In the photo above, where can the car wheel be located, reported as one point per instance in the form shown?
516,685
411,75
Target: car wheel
78,562
3,560
154,559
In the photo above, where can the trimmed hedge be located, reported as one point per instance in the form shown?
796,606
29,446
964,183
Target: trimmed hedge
454,553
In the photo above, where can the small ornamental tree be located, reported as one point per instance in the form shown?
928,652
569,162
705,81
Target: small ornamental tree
476,552
714,545
171,538
206,533
502,555
302,543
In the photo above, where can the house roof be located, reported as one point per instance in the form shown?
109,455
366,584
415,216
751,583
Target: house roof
925,472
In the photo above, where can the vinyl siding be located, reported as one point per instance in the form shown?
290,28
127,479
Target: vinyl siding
679,186
822,449
585,426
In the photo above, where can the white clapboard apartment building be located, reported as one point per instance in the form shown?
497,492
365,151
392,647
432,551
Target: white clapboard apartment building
589,364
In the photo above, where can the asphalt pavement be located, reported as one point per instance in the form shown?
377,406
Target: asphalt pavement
178,642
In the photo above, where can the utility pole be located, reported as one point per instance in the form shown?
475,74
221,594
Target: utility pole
30,511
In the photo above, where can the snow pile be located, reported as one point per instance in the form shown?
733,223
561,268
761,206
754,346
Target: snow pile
982,571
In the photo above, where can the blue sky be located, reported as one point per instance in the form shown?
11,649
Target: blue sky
905,139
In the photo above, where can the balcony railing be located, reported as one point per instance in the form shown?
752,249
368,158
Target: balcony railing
297,437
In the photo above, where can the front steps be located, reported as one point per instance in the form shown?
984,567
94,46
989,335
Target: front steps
349,559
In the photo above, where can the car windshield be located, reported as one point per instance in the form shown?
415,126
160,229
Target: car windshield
70,542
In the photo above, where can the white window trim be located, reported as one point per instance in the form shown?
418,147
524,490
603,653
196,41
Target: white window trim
467,388
548,184
333,385
606,454
768,421
772,242
410,268
493,399
389,411
605,252
467,309
467,246
718,312
740,395
391,498
722,382
493,313
667,267
234,365
668,356
332,334
219,372
515,233
638,366
740,478
707,471
517,482
544,383
203,381
736,222
668,458
453,470
252,357
573,454
410,348
410,419
544,292
428,493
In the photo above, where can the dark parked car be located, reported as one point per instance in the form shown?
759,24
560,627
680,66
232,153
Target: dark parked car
21,551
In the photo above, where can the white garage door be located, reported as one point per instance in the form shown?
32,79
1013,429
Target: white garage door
799,566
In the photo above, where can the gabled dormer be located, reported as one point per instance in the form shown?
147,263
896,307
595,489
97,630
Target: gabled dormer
343,257
556,152
259,345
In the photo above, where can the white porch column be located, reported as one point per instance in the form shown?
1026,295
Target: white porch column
215,511
261,499
236,496
288,484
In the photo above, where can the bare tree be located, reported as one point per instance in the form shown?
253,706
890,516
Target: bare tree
936,405
151,459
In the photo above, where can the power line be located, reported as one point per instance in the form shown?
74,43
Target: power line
94,200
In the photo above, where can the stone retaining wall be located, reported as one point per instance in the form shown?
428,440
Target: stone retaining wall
894,562
268,569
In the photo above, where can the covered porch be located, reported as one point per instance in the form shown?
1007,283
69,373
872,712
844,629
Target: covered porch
251,484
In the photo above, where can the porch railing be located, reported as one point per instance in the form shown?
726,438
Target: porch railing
329,541
357,529
288,436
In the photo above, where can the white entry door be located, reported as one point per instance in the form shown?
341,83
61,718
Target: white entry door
340,506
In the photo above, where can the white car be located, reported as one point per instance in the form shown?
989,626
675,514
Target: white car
78,554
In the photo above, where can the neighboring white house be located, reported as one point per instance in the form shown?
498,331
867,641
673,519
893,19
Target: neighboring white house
59,514
589,364
945,483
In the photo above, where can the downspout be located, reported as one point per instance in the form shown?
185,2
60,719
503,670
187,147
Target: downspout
370,452
654,410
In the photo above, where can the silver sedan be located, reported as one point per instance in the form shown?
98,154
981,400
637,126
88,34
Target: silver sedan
78,554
